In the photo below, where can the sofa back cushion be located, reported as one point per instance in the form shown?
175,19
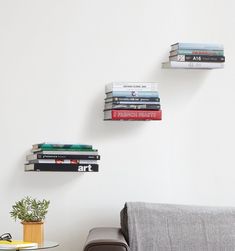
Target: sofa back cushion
163,227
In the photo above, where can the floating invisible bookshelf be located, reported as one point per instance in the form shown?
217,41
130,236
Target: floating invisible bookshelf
195,56
57,157
132,101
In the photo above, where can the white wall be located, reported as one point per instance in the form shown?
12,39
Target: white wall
56,57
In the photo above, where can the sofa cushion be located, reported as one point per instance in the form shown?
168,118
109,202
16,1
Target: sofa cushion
163,227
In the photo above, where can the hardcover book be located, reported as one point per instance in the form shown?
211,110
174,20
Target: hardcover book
131,86
63,152
16,245
197,58
46,167
133,115
197,46
192,65
134,102
142,94
61,146
109,106
131,99
61,156
197,52
63,161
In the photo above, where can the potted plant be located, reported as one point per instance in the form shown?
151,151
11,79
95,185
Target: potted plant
31,213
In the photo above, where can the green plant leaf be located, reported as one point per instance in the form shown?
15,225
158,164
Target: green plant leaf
30,210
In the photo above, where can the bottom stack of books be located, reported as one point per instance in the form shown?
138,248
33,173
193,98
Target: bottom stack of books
50,157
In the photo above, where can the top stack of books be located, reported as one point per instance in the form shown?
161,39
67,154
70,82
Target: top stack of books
132,101
196,56
62,158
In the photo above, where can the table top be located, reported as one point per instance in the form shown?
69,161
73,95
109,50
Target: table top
44,245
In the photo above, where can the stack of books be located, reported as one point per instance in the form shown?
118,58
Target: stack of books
196,56
132,101
62,158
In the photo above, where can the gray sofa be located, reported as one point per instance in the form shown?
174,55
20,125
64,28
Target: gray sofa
163,227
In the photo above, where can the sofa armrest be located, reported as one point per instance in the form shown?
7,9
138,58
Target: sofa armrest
105,239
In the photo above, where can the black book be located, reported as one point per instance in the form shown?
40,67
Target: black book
62,156
198,58
132,99
111,106
61,167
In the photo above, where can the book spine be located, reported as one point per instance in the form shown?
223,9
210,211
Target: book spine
133,103
126,99
59,152
131,87
63,161
133,107
136,115
197,52
62,147
62,167
61,157
191,58
144,94
197,46
192,65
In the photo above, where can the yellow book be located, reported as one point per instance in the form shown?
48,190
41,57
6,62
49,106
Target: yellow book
17,244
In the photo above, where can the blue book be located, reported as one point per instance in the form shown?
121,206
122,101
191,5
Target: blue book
196,46
197,52
147,94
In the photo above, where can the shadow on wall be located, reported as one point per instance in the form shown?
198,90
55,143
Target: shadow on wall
97,128
48,181
178,87
94,217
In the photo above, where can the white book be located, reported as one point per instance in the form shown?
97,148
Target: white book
94,152
64,161
192,65
131,86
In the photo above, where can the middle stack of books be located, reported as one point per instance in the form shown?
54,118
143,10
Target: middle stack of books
62,158
132,101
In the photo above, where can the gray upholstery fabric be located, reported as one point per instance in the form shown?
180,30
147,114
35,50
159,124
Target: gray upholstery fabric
162,227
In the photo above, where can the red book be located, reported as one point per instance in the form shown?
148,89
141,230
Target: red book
133,115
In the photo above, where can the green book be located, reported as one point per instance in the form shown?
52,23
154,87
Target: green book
52,146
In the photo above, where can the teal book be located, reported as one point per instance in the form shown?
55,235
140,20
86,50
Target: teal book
52,146
197,46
